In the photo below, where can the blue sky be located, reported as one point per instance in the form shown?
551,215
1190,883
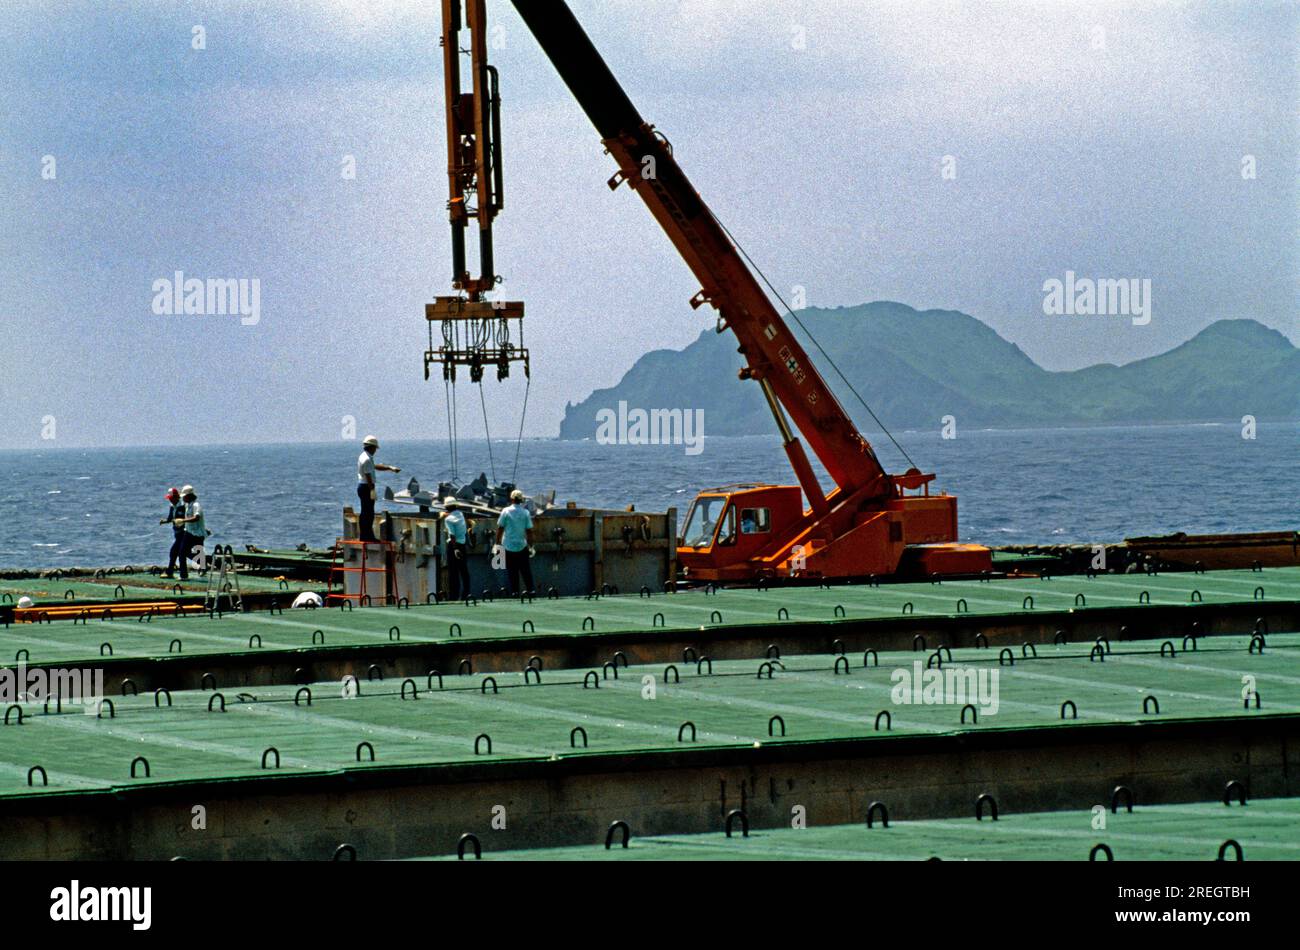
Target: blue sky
1103,138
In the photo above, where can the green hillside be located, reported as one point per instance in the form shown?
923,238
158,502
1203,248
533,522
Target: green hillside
1229,369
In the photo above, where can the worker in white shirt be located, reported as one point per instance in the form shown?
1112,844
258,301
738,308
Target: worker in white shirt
195,528
458,528
515,535
366,486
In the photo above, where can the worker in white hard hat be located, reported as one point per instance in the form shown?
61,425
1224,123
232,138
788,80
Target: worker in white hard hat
515,536
196,532
366,468
458,528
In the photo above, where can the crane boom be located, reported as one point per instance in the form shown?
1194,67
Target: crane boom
774,357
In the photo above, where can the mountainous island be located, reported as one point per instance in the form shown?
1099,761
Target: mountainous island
924,365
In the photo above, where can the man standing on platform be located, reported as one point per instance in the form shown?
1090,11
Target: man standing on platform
515,535
366,486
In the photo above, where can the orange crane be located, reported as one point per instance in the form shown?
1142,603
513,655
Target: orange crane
870,522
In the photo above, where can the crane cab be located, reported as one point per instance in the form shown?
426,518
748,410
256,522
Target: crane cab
726,529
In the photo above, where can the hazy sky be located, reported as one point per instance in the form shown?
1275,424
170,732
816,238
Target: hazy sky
1107,139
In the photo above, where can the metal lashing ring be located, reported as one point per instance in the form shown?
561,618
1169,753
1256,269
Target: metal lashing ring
535,662
528,627
689,655
141,760
484,685
617,826
606,668
592,677
1223,850
534,672
677,677
345,852
1234,787
10,709
979,807
268,751
981,641
469,839
589,623
1258,594
455,631
1101,849
839,610
934,659
908,608
573,737
1148,702
1006,654
368,747
871,655
889,720
837,647
1257,640
394,632
1196,597
643,592
782,614
974,714
657,620
303,692
1190,638
771,726
744,822
112,709
466,668
478,739
1097,654
45,779
159,693
962,607
715,616
1074,710
1261,625
681,730
884,814
842,660
106,649
1144,597
176,644
1028,649
135,690
428,680
119,592
699,664
213,698
1027,603
768,667
1245,700
918,643
374,672
205,679
257,637
1080,600
1124,792
1168,645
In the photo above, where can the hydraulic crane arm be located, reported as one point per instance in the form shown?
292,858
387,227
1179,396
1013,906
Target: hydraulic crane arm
774,357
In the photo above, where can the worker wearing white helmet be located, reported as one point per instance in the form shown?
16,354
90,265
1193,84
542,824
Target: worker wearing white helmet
366,468
515,535
196,532
457,527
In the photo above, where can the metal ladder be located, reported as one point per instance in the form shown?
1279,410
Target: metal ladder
222,574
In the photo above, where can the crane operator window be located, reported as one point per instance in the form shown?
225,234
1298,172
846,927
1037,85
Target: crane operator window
702,521
755,520
727,533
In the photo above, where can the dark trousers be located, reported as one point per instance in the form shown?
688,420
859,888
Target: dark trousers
367,516
189,545
517,566
177,553
457,570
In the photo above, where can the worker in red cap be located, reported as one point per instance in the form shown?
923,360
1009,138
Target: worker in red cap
175,511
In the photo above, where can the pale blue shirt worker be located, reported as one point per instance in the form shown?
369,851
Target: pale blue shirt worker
515,536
